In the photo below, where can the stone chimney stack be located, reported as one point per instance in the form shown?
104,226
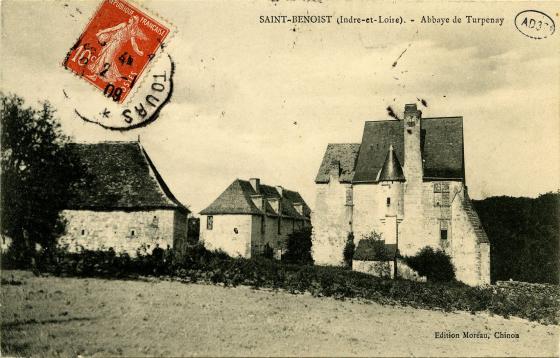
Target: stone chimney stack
334,170
256,184
412,135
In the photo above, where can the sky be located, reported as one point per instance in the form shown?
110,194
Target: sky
264,100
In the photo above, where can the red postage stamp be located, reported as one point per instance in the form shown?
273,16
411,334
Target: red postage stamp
116,47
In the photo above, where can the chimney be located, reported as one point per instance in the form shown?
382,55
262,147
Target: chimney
299,208
258,200
256,184
334,170
280,190
412,167
412,115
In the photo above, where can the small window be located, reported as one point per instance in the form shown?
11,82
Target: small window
443,234
83,232
155,221
132,233
235,230
388,201
209,222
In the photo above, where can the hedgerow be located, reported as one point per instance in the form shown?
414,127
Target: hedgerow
200,265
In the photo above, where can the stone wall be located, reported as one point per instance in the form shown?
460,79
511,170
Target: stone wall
251,236
230,233
270,236
331,221
421,215
123,231
372,213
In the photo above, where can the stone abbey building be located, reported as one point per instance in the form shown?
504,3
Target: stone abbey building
123,204
406,181
250,217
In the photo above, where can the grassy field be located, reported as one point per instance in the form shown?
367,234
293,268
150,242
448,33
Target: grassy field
51,316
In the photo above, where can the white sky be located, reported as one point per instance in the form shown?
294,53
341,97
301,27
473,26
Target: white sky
262,100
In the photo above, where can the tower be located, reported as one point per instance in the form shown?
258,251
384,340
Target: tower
413,170
391,179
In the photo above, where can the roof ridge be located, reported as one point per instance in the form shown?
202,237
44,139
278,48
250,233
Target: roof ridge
107,142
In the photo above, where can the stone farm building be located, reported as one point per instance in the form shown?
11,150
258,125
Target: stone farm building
125,205
249,216
405,181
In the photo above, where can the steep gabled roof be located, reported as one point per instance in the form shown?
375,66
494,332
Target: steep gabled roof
441,145
236,199
377,138
343,153
442,142
120,176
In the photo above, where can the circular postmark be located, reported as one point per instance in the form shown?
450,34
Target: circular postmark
142,108
535,24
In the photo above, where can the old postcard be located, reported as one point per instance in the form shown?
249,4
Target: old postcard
280,178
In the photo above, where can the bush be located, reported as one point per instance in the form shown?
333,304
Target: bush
349,249
268,252
540,303
298,250
436,265
372,247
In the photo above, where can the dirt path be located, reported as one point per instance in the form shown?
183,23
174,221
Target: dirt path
67,316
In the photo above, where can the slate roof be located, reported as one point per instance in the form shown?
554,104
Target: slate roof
441,145
236,199
121,176
392,170
368,250
343,153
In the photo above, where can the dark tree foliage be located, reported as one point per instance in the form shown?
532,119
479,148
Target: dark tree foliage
349,249
299,247
436,265
37,172
193,230
268,252
524,236
372,247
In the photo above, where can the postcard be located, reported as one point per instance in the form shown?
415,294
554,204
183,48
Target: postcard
280,178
